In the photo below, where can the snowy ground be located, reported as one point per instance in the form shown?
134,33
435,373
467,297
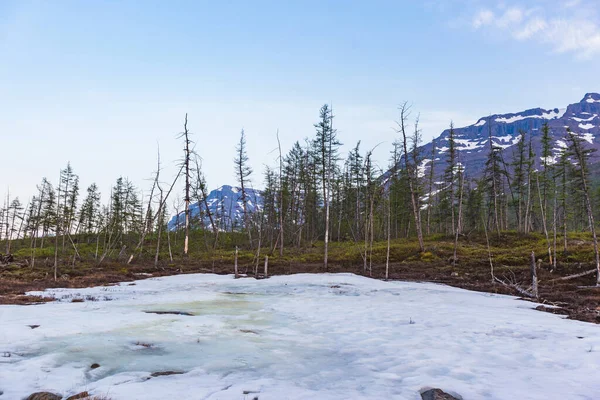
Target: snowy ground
294,337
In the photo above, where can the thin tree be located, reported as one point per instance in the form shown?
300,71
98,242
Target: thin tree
411,168
186,162
243,172
581,155
281,207
326,148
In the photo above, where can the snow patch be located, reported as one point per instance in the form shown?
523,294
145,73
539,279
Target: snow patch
550,160
561,144
325,336
481,122
500,141
422,167
553,114
588,137
584,119
466,144
587,127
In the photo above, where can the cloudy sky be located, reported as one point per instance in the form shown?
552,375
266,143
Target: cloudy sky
103,83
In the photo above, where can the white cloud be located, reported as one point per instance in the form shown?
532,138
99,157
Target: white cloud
484,17
572,29
532,27
510,17
571,3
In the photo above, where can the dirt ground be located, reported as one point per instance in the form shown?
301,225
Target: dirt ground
577,298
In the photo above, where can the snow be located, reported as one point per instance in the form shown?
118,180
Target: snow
587,126
550,160
422,167
584,119
467,144
480,123
588,137
557,113
591,100
443,149
502,138
295,337
500,141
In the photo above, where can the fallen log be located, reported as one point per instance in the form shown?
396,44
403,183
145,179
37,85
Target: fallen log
574,276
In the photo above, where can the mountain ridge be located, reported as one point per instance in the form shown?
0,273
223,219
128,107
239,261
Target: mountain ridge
225,206
472,141
472,144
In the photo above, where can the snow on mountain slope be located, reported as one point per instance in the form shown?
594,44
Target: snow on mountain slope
225,206
328,336
472,142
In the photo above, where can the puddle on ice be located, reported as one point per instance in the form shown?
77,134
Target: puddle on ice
224,336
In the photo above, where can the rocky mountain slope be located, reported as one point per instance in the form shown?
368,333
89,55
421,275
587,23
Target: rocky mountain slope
225,205
473,145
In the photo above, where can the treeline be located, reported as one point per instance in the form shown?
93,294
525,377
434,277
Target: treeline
313,194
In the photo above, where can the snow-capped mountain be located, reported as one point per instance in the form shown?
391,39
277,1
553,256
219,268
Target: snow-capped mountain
225,206
472,142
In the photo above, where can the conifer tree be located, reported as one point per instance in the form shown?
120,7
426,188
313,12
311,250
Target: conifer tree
243,172
326,154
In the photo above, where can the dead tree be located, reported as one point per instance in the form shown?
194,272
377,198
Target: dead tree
581,155
160,213
235,264
202,193
186,162
534,280
411,169
281,204
459,225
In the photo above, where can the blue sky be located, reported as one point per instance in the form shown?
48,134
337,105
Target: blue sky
100,83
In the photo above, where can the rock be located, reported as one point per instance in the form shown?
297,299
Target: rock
44,396
94,366
165,373
437,394
82,395
170,312
454,274
33,326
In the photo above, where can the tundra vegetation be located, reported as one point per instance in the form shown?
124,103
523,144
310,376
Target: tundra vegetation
523,226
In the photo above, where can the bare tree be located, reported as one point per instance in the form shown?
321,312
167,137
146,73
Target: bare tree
186,162
410,168
281,204
581,154
461,183
202,196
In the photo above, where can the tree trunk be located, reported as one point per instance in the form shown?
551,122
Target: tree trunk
235,264
410,170
543,212
187,186
534,280
266,272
